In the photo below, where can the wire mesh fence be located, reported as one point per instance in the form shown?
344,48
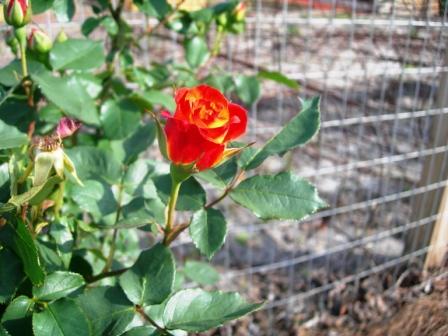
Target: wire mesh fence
380,160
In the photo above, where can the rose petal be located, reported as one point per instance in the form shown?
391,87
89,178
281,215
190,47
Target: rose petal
211,156
186,145
67,127
183,141
238,122
216,135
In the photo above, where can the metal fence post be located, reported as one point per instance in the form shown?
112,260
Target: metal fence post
439,241
435,170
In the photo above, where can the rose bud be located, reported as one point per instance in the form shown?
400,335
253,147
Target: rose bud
50,154
240,12
66,127
17,13
39,42
13,43
203,123
61,37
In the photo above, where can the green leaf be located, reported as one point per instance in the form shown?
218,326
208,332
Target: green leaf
150,280
119,118
110,25
11,74
17,237
40,6
58,285
95,163
91,83
201,272
191,195
11,136
95,197
281,196
89,25
247,88
63,238
17,113
279,78
77,54
223,83
141,212
69,95
196,51
64,10
208,229
11,274
195,310
4,188
61,318
137,181
156,97
48,256
3,331
298,131
139,141
142,331
220,176
16,318
107,309
36,195
156,8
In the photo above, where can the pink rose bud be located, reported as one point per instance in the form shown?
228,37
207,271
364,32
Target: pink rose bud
39,42
67,127
17,13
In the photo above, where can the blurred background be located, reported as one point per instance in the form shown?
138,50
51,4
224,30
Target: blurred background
380,161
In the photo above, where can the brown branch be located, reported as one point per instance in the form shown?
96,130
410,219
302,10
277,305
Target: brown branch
174,233
161,23
106,275
148,319
228,189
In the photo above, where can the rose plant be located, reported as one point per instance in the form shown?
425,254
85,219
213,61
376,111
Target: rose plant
88,211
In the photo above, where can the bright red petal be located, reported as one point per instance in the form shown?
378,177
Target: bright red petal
238,122
183,141
212,154
211,94
216,135
183,109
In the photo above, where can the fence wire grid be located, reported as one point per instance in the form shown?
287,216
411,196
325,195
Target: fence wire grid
380,159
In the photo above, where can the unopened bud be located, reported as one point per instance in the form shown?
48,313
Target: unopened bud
61,37
17,13
39,42
13,43
222,19
66,127
240,12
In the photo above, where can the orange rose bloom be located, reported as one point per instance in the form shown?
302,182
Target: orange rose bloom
204,122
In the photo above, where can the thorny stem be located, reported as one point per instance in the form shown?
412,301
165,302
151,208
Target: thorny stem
110,257
59,199
26,82
171,209
165,20
175,232
106,275
145,316
23,59
228,189
217,43
27,173
115,49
